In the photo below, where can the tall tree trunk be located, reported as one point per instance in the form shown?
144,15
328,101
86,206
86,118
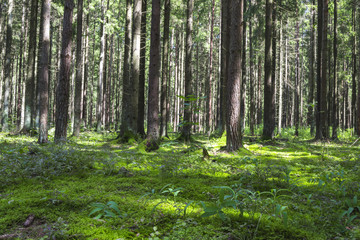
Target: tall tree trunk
324,75
44,73
225,19
86,74
335,123
209,113
154,75
79,76
125,127
233,129
7,66
135,67
62,93
280,80
297,78
142,76
268,89
30,80
358,96
252,87
243,80
165,68
186,129
100,88
354,72
310,116
319,126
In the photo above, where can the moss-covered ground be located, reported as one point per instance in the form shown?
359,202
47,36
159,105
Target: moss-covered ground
93,187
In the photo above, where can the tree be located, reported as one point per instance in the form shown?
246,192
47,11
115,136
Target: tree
165,68
102,63
30,81
62,92
186,128
79,83
141,101
135,66
44,73
125,127
8,60
268,89
233,129
154,75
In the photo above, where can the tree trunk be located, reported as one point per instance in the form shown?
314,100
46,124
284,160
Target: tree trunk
62,93
7,66
165,68
142,76
209,113
280,81
324,75
252,79
233,129
154,75
354,71
335,84
268,89
310,115
86,74
297,79
186,128
44,74
78,84
125,127
30,81
319,72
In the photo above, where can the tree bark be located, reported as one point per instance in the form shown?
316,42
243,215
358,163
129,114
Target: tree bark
310,116
44,73
335,122
62,93
297,79
30,80
142,76
233,129
165,68
79,76
154,75
268,89
7,67
186,129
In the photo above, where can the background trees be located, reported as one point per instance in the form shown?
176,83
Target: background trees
111,75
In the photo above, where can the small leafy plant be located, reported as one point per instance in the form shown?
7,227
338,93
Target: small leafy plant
108,210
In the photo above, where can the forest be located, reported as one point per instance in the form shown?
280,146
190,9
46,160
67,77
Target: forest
179,119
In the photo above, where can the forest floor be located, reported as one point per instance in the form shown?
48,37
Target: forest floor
93,187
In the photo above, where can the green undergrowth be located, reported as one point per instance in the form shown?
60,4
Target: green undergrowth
94,187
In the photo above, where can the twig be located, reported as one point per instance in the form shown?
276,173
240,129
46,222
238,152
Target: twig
355,142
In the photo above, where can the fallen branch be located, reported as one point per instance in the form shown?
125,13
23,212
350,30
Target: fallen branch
355,142
8,236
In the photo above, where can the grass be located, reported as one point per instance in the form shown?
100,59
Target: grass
290,188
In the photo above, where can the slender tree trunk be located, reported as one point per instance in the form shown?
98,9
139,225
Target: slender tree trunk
86,74
62,93
154,76
280,81
297,79
78,84
319,126
142,76
233,129
354,73
30,81
7,66
310,116
335,80
186,129
209,113
100,88
243,80
268,90
358,96
125,127
44,73
165,68
323,102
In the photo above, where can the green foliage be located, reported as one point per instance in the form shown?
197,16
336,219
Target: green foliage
108,210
